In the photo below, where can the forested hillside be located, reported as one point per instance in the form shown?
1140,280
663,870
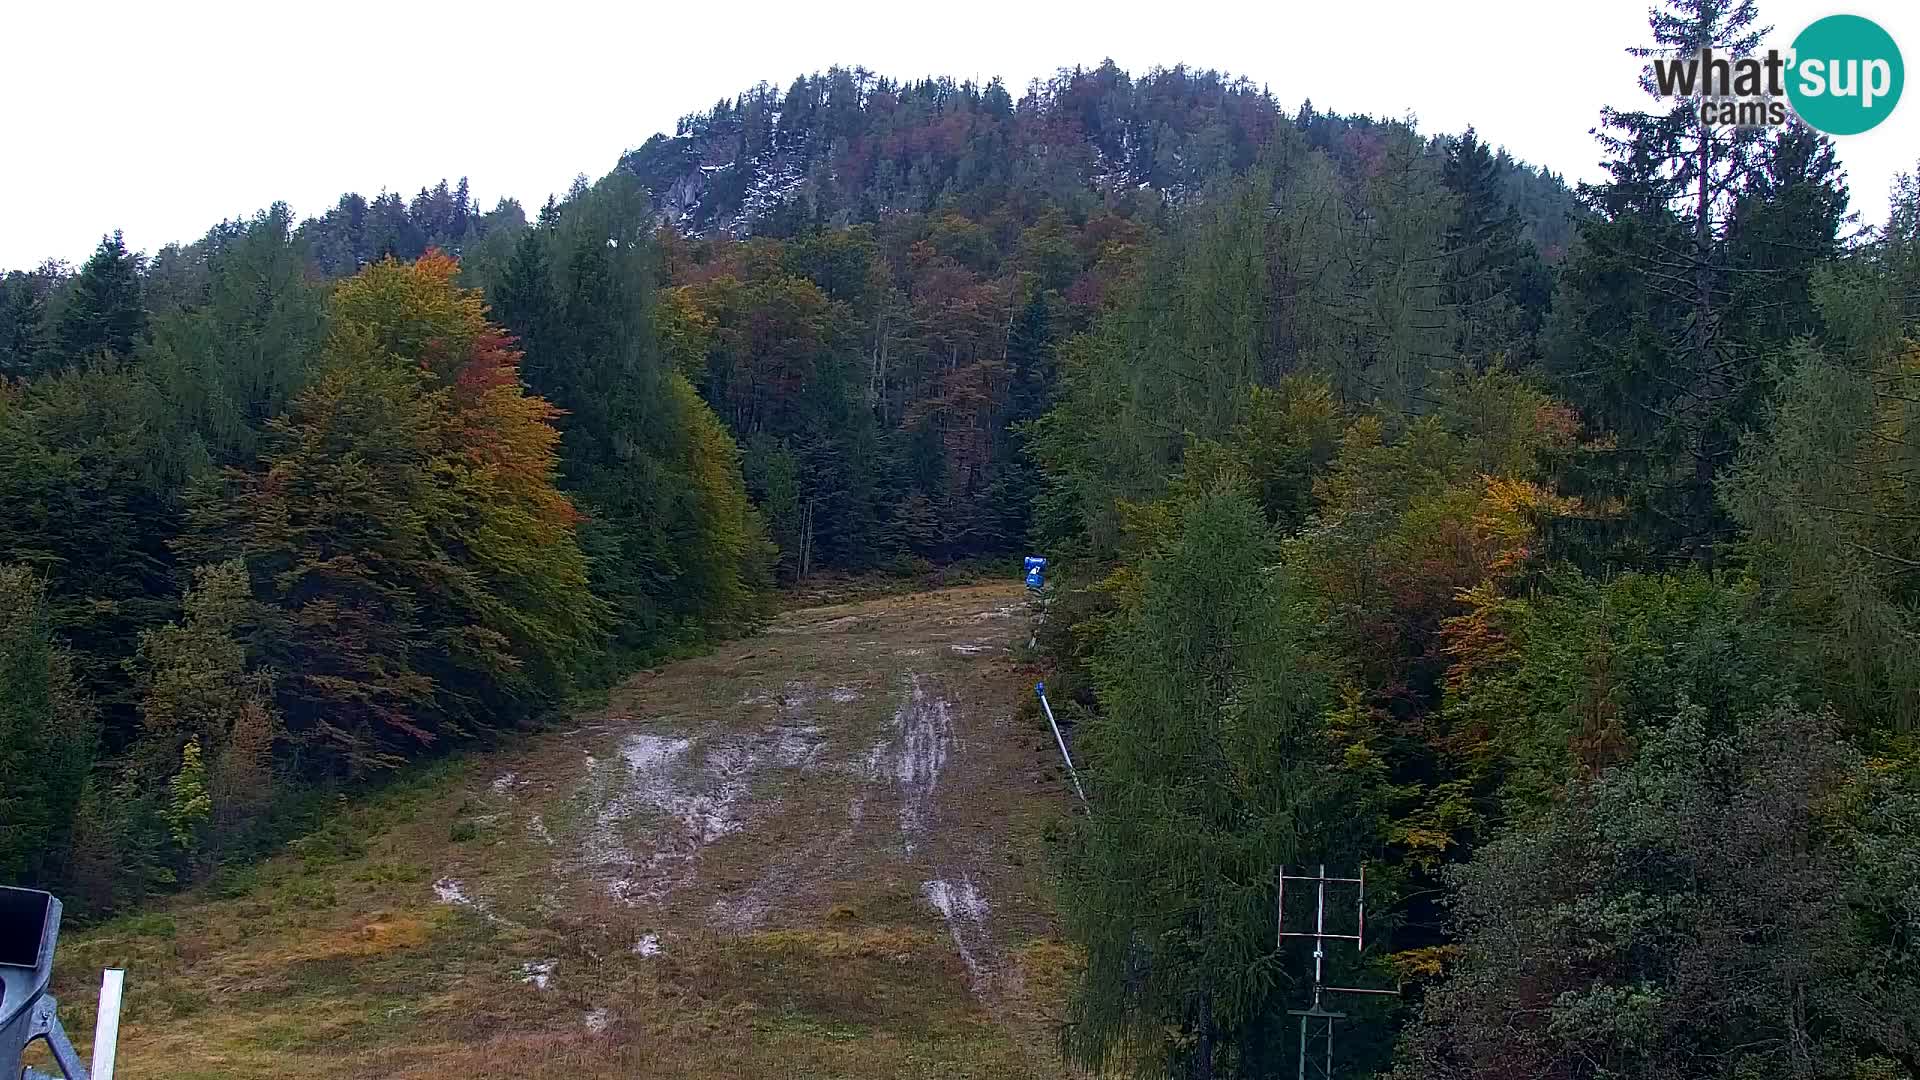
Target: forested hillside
1550,553
849,146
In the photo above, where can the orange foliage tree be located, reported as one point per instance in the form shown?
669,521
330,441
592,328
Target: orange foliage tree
418,566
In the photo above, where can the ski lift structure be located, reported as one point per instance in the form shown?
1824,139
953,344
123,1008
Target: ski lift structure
29,931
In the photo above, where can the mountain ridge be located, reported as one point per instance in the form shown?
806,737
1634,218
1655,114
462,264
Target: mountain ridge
846,146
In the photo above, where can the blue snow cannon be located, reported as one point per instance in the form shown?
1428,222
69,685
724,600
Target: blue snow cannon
1036,572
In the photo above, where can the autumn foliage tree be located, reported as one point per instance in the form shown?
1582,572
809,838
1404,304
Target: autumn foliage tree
197,689
420,566
770,353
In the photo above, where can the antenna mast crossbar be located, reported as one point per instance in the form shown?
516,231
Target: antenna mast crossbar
1316,1023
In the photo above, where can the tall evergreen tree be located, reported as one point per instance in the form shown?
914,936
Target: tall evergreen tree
233,360
1495,278
1783,224
47,733
1204,773
523,301
23,322
104,310
1655,339
89,475
670,541
1015,475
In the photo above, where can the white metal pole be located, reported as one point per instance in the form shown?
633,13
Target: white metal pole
1280,910
1360,935
1041,689
1319,930
106,1029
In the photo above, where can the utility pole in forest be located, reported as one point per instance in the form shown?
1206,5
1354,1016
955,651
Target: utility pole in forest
1316,1022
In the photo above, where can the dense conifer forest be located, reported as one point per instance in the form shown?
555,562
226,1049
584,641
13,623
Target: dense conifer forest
1554,553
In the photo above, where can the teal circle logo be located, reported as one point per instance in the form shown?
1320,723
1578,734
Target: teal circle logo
1847,75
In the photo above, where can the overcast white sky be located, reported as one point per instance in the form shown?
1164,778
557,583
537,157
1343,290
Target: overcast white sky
162,118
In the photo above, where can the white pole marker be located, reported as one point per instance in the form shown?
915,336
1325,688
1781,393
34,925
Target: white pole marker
106,1030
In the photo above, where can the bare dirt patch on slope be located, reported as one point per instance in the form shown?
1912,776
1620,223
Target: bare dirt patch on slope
816,852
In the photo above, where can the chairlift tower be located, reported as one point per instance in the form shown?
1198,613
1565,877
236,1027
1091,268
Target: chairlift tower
1316,1021
29,931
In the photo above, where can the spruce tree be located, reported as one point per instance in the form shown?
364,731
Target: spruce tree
47,733
1783,225
89,473
523,301
1014,476
1495,279
670,541
233,361
22,323
104,313
1203,771
1656,336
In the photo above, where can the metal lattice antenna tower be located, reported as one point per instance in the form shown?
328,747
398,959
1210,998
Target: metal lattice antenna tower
1316,1022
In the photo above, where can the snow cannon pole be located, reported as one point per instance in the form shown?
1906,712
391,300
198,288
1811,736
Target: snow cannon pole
1040,688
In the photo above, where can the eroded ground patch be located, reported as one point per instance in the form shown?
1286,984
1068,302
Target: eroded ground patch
816,852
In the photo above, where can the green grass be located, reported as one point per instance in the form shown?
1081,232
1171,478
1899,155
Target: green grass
335,957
